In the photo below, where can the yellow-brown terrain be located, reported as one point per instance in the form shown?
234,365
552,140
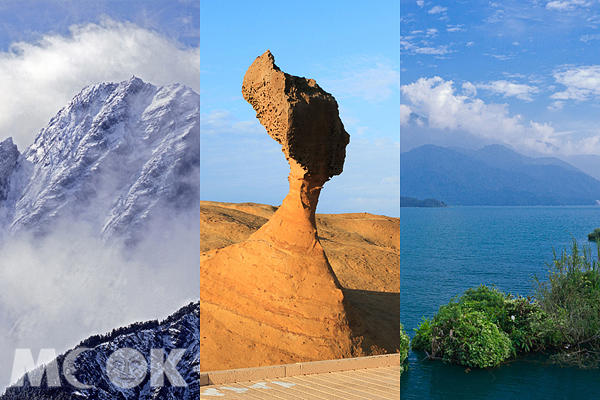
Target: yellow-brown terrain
363,251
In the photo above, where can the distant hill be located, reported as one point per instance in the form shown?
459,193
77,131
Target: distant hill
412,202
493,175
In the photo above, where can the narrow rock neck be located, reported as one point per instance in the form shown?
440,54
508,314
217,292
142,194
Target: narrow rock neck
293,226
304,191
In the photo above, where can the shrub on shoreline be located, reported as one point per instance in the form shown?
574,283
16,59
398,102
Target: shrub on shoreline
404,345
484,327
571,298
481,329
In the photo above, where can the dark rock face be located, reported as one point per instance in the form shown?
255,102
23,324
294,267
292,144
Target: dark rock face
299,115
9,157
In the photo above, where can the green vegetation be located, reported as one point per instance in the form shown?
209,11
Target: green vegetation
484,327
412,202
481,329
595,235
404,345
571,298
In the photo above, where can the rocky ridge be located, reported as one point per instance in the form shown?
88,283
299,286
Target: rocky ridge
178,331
115,153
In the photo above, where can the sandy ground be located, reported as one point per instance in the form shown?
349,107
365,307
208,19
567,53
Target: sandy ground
363,250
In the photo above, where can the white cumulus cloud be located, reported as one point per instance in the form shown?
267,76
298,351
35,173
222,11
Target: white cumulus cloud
223,122
37,79
581,83
405,112
589,38
469,89
510,89
435,99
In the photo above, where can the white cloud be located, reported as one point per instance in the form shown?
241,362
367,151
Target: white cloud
372,79
469,89
432,32
582,82
37,79
510,89
586,145
437,10
556,106
497,16
421,3
567,5
502,57
589,38
434,98
405,112
407,45
456,28
439,51
469,44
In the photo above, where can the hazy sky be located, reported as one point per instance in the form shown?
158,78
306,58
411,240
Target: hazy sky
520,72
50,50
350,48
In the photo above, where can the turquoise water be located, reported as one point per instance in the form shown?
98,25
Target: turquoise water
444,251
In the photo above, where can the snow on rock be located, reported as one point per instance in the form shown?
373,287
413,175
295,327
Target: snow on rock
117,154
95,373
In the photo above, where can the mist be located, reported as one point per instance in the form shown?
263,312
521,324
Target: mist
67,285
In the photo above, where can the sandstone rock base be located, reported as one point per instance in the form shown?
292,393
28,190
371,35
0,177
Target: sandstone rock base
274,298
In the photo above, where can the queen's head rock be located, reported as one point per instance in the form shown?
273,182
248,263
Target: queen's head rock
274,298
299,115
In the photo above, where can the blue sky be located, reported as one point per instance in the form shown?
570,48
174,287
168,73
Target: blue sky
51,49
521,73
351,49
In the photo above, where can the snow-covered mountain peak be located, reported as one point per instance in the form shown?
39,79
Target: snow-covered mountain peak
113,154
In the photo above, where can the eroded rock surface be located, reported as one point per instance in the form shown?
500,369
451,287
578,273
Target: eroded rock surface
274,298
299,115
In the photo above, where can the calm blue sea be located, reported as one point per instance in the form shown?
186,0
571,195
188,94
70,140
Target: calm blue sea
444,251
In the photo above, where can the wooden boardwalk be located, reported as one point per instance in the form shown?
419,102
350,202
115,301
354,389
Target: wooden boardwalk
364,384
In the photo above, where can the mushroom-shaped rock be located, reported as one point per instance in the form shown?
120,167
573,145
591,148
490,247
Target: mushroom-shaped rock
274,298
299,115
